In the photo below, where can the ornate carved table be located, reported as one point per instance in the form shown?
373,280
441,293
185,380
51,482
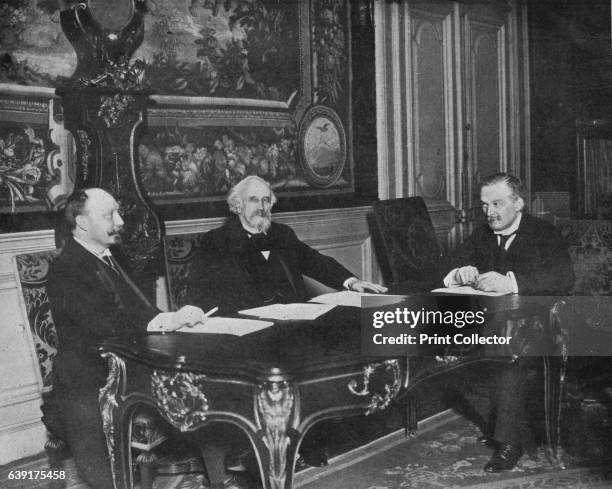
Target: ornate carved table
273,384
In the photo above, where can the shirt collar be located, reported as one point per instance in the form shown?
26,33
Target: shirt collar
93,250
513,227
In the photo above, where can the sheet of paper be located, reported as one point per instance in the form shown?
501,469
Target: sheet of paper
234,326
353,299
289,312
467,290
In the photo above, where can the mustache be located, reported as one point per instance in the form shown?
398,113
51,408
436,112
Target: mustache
116,232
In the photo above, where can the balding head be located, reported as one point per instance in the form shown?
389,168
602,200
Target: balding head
93,216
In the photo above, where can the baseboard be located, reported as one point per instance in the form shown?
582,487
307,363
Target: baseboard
22,441
366,451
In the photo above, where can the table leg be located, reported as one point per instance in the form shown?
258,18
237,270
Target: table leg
111,422
276,406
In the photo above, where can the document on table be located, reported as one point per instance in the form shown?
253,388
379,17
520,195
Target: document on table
353,299
467,290
289,312
233,326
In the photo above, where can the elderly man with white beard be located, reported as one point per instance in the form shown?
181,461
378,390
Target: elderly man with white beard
252,261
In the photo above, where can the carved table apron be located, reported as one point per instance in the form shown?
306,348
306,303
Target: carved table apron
274,384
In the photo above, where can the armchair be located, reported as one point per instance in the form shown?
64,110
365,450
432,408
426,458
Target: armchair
180,251
31,270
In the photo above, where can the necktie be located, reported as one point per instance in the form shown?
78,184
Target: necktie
503,239
260,241
110,262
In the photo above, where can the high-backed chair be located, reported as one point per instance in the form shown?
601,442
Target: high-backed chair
180,252
410,251
31,270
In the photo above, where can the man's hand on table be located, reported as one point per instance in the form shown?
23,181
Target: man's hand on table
467,275
357,285
186,316
494,282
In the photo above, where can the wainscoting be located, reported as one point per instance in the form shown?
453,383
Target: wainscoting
341,233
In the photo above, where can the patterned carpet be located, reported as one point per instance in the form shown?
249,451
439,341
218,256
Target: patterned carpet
447,456
450,457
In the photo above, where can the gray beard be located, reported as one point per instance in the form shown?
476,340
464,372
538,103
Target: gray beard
262,224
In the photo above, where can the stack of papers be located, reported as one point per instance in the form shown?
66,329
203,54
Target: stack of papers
289,312
233,326
467,290
353,299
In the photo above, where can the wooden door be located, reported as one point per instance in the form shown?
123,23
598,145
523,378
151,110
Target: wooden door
490,94
449,103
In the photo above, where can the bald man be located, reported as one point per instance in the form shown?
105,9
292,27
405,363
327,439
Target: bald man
92,298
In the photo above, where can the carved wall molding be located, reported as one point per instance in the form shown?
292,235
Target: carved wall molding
213,117
19,394
325,219
27,242
24,105
219,101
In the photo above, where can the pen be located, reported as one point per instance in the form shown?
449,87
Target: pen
211,312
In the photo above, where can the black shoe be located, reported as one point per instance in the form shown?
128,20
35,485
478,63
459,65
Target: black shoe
487,441
505,457
232,482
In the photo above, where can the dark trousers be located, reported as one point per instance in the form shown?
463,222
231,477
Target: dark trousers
86,440
495,397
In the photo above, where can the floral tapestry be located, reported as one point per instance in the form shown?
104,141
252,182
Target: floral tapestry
24,175
182,163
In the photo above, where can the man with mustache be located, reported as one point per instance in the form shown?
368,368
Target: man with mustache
251,261
92,298
513,253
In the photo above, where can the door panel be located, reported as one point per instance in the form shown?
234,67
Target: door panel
486,124
433,100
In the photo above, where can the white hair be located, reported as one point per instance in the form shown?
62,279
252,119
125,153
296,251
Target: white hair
234,197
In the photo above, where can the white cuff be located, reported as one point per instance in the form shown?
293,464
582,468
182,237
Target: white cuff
348,283
161,322
449,280
511,276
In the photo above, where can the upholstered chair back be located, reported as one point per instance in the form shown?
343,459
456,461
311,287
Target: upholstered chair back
405,232
31,271
180,252
590,246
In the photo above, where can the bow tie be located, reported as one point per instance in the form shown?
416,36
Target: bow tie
260,241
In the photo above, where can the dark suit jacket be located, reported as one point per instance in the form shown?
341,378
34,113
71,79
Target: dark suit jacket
537,256
89,305
219,275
